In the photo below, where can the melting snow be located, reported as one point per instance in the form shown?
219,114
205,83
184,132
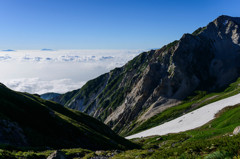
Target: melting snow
190,120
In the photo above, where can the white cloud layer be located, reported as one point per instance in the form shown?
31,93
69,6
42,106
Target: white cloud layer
37,71
36,85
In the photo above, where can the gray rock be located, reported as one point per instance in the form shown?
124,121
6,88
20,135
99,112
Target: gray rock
57,155
236,130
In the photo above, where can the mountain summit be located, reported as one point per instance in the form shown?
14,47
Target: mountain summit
208,59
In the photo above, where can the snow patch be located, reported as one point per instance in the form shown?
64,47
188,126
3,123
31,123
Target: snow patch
190,120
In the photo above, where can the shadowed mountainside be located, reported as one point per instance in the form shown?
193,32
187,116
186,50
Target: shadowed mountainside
28,121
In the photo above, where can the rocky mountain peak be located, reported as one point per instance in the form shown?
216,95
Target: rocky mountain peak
224,20
224,27
207,59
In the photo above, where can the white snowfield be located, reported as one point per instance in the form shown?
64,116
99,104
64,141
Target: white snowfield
190,120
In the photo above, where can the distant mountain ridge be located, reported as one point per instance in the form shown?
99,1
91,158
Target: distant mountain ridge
208,59
50,95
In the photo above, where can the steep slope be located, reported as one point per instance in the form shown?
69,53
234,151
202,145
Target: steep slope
28,121
156,80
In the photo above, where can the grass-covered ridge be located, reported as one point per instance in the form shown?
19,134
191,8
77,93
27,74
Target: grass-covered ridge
193,102
41,124
198,31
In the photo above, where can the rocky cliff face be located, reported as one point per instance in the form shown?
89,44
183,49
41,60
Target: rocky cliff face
207,60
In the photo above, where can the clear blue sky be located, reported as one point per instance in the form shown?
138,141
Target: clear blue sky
104,24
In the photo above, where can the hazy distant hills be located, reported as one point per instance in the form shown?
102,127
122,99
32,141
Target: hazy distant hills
8,50
45,49
48,96
154,81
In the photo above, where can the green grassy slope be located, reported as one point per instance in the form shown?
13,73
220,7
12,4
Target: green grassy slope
47,124
213,140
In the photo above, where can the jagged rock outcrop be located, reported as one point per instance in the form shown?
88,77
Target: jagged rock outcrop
155,80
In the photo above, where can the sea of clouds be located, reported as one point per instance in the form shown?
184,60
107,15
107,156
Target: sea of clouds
41,71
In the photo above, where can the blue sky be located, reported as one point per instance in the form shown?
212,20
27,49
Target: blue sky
104,24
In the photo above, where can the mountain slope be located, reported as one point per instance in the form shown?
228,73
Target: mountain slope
29,121
212,140
156,80
200,99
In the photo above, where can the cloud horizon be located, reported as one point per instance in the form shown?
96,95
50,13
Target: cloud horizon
59,71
